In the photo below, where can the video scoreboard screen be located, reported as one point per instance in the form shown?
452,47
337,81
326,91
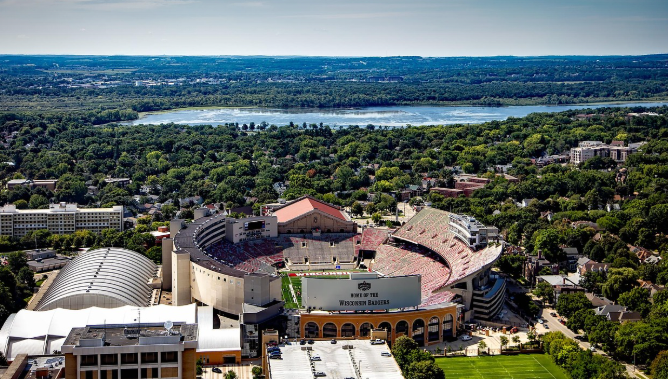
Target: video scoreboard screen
254,225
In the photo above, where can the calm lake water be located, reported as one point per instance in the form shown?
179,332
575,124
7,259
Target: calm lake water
389,116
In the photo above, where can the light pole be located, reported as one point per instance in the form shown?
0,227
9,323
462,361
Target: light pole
634,353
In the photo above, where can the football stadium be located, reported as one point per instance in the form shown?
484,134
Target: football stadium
422,280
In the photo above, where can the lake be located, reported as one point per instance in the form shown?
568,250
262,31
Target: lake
389,116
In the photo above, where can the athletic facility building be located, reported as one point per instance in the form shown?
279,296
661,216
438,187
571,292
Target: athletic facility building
421,280
106,278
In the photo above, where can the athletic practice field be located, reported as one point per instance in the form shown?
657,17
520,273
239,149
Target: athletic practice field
534,366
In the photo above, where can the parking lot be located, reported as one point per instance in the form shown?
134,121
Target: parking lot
334,361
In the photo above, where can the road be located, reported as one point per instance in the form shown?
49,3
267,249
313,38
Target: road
554,325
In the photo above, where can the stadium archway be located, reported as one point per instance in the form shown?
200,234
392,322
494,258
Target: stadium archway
418,331
348,330
433,327
447,326
311,330
386,326
402,328
365,329
329,330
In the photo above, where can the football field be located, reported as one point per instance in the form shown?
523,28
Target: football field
534,366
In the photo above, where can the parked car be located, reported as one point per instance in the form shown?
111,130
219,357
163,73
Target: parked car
386,354
540,321
217,370
302,342
319,373
311,342
316,358
377,341
553,314
466,337
546,326
277,356
333,342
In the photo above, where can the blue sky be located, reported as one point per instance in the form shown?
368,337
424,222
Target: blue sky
339,27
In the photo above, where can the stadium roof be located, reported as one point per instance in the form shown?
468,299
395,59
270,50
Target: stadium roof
107,277
305,205
41,332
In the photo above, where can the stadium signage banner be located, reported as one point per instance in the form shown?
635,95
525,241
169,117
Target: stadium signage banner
323,273
366,294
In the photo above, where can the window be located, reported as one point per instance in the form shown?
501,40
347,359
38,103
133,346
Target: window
129,373
169,357
151,357
88,360
109,374
129,359
109,359
304,244
89,374
149,373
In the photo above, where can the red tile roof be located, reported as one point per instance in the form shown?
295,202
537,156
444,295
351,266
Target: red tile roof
303,206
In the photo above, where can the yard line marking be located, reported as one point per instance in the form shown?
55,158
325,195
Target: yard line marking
541,365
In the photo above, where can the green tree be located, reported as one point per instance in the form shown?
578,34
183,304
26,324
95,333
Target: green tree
636,299
357,209
547,241
16,261
21,204
545,291
569,303
402,349
482,346
659,366
198,367
424,370
619,280
256,371
376,217
504,341
230,375
26,277
38,201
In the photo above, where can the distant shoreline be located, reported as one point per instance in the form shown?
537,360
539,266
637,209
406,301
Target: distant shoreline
453,104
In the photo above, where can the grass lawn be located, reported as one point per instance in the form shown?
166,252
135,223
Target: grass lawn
287,295
527,366
297,286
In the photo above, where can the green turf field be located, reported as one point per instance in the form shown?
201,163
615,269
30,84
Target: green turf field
297,285
534,366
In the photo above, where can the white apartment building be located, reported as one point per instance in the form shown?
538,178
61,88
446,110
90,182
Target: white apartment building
59,218
590,149
471,231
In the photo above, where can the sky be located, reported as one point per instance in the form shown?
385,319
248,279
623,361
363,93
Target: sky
335,27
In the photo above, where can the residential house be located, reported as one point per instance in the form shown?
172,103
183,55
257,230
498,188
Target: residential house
618,313
597,301
535,264
593,266
560,284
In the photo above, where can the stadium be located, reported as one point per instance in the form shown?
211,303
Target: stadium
240,266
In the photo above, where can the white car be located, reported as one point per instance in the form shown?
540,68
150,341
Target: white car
315,358
386,354
466,337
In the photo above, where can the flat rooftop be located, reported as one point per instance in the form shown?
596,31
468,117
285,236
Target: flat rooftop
130,335
335,362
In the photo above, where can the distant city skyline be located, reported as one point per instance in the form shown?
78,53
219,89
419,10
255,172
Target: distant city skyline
340,28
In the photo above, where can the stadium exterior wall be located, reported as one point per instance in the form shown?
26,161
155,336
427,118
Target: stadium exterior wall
377,318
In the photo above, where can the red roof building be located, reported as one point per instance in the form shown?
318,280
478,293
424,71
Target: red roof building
308,214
